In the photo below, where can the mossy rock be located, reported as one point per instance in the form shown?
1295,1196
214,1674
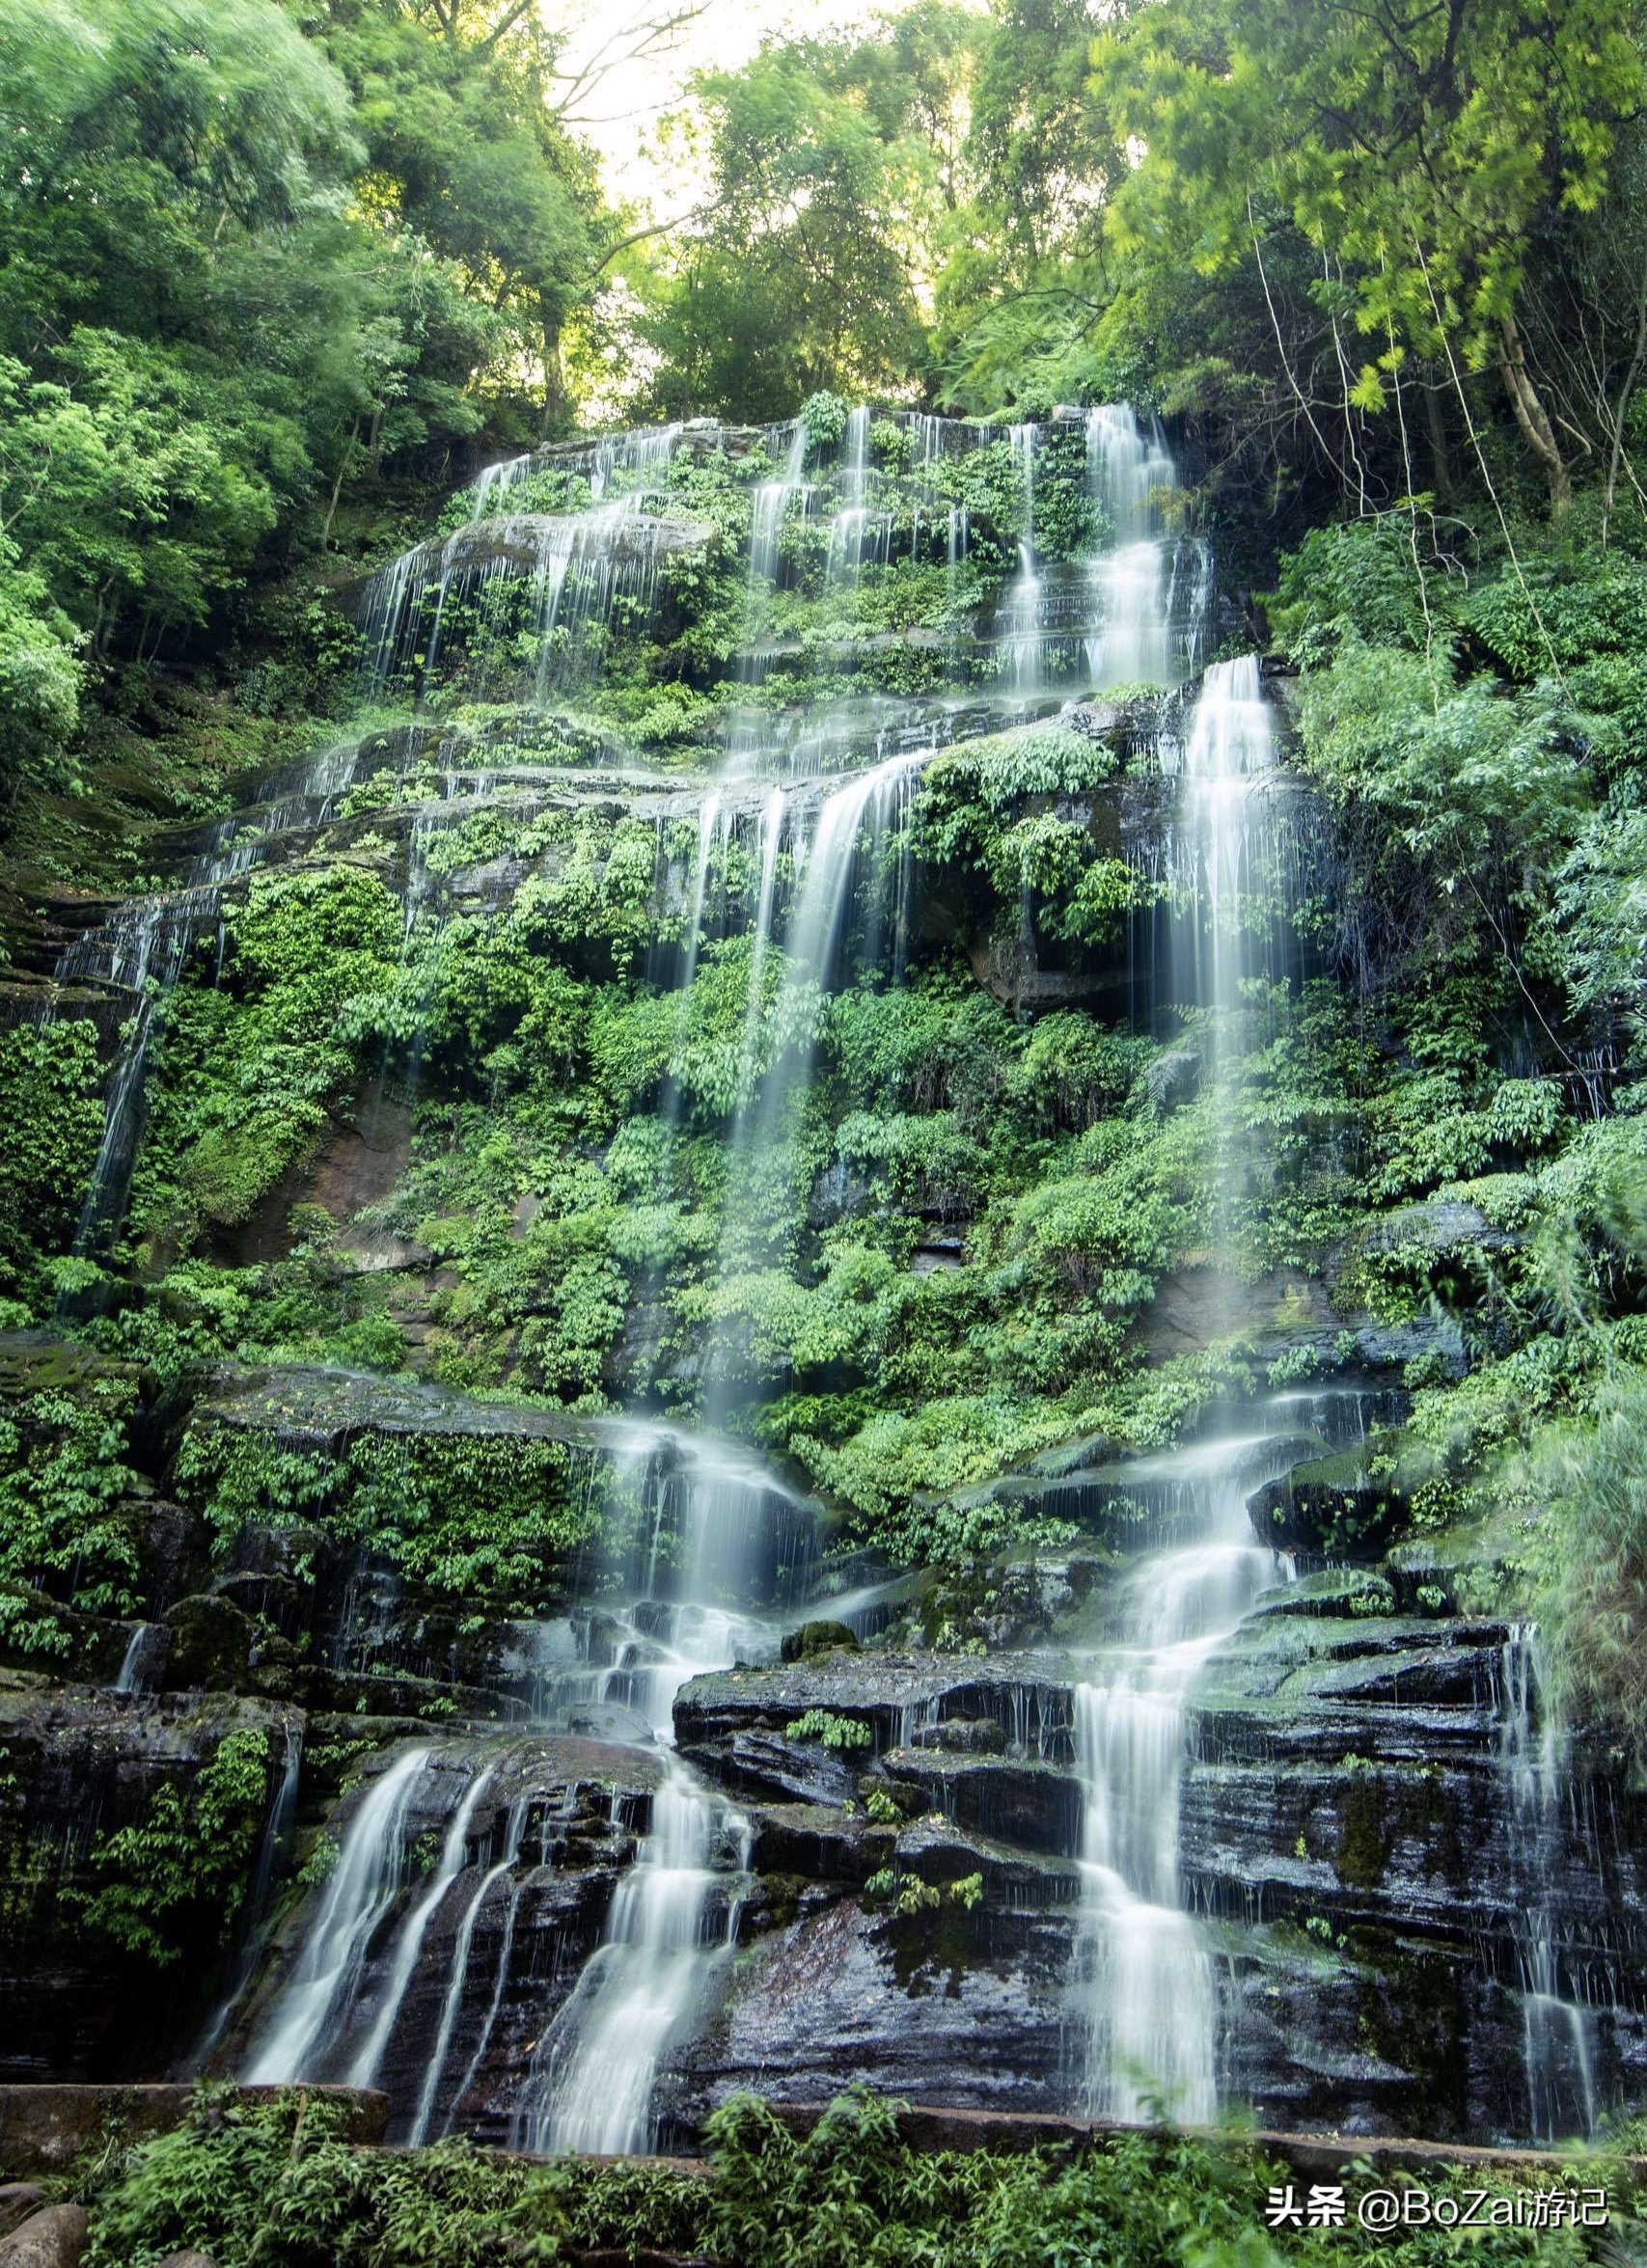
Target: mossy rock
1331,1506
819,1637
211,1645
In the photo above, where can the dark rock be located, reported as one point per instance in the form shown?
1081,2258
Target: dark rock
1428,1339
895,1695
1356,1592
967,1735
575,1810
1035,1806
816,1843
1330,1507
765,1765
53,2239
1347,1820
83,1764
212,1640
942,2005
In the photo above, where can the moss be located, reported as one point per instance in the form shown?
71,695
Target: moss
1364,1836
1410,2012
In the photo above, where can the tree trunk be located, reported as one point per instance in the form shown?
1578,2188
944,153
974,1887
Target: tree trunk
1532,415
1632,379
1441,456
554,376
344,463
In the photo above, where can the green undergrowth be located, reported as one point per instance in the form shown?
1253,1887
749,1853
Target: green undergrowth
461,1515
277,2186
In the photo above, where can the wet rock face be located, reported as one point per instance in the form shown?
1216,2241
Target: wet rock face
489,1898
1330,1507
1352,1836
79,1764
921,1939
1353,1820
891,1697
941,2005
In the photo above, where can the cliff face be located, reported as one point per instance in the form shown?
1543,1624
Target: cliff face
740,1411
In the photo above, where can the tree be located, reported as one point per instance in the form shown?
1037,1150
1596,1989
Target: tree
465,150
1415,149
794,281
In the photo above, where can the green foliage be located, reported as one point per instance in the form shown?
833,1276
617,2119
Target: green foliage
249,262
51,1102
277,2186
464,1514
279,2183
1418,164
66,1526
803,281
249,1070
1588,1558
830,1731
175,1881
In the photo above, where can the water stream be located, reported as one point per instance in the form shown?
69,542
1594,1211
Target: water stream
1558,2047
1150,2031
592,2084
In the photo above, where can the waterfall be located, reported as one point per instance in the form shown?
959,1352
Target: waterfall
499,1976
1150,2026
870,802
1150,590
705,1551
144,1658
1228,762
770,502
362,2070
645,451
365,1881
497,480
458,1978
574,570
277,1826
592,2079
857,536
1557,2030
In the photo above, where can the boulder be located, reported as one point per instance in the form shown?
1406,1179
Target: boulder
1331,1506
211,1645
53,2239
818,1637
17,2201
188,2259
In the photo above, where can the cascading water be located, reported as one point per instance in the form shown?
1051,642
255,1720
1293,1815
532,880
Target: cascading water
144,1658
1150,2018
1151,591
592,2084
707,1553
300,2034
1558,2049
1150,2029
